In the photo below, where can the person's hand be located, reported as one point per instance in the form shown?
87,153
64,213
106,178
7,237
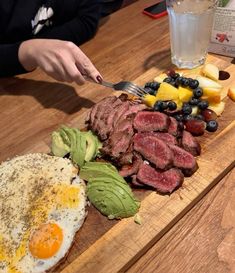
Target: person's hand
62,60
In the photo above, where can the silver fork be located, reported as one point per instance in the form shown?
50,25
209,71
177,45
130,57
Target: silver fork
129,87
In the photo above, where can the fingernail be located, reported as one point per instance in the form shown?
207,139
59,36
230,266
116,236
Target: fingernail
99,79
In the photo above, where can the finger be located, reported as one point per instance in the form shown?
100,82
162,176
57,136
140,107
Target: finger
74,73
86,67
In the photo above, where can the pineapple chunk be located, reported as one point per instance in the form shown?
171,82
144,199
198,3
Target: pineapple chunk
167,92
150,100
218,108
208,83
215,99
194,110
160,78
185,94
211,71
231,93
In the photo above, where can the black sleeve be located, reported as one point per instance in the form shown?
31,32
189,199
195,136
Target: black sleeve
81,28
9,62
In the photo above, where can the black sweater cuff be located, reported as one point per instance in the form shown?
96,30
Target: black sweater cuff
9,61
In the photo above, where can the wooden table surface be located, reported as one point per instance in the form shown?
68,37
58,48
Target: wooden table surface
126,45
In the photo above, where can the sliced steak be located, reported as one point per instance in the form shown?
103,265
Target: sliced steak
108,126
183,160
127,157
128,170
190,144
102,111
154,150
122,110
135,108
173,127
135,181
120,139
165,137
151,121
164,182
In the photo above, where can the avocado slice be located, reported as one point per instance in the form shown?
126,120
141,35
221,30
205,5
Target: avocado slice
92,145
58,147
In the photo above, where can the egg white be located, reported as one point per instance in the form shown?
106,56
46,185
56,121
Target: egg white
18,177
70,221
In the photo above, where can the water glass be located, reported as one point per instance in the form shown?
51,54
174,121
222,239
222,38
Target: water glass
191,24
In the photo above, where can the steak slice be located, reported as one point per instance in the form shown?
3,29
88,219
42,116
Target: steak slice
93,112
108,122
122,110
173,127
151,121
102,111
127,157
164,182
165,137
135,181
120,139
135,108
190,144
183,160
154,150
128,170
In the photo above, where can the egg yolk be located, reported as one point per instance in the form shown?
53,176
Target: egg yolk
46,241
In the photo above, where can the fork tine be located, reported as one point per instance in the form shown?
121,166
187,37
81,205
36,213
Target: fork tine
133,90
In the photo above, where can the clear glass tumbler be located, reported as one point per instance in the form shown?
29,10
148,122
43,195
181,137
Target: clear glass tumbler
191,24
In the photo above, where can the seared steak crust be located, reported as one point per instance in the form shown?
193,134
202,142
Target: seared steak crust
190,144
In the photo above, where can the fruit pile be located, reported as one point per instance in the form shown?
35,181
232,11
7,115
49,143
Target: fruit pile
195,103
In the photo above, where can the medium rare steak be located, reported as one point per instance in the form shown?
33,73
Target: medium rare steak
165,137
190,144
130,169
164,182
134,109
173,127
183,160
151,121
154,150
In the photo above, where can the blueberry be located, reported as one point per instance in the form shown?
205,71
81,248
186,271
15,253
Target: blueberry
178,117
187,117
175,76
203,104
187,109
178,81
193,101
193,84
153,85
150,91
173,83
172,105
168,80
164,105
212,126
197,92
158,106
185,82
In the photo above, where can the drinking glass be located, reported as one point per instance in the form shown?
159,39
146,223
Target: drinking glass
191,24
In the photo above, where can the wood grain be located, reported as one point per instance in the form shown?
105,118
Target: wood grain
202,241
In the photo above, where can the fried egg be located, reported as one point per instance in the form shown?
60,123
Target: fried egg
42,206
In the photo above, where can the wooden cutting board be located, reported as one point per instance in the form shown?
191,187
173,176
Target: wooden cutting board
113,246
